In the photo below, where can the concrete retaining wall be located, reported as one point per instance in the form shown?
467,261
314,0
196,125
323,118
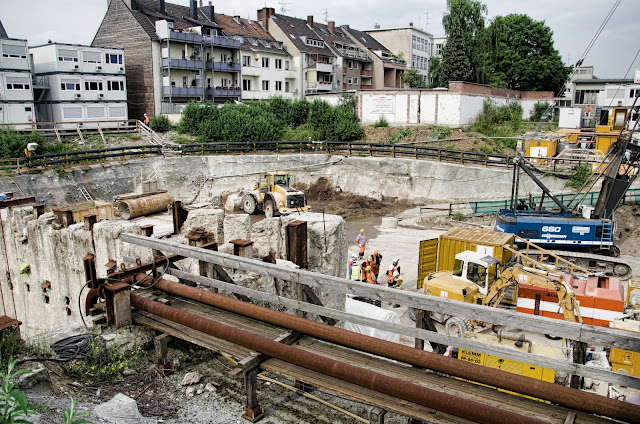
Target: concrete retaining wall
416,180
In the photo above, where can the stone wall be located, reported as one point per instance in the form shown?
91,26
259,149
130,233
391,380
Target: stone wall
46,297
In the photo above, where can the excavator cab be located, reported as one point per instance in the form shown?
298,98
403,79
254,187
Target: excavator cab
477,268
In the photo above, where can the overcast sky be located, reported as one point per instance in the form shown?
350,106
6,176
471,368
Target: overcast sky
574,22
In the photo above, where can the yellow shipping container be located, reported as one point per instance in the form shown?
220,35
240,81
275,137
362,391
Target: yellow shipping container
439,254
540,148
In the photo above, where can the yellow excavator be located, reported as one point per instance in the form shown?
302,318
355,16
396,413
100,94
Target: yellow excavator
477,278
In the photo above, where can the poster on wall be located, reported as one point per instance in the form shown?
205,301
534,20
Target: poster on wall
381,104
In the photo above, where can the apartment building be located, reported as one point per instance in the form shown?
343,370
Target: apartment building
266,66
16,87
412,44
176,54
75,83
315,62
387,67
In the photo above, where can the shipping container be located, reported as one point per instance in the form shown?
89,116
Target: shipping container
439,254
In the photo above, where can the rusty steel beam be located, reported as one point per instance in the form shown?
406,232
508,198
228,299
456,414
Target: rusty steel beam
561,395
144,205
421,395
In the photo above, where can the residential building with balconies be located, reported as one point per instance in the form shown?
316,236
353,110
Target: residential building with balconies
75,83
176,54
267,67
409,43
314,61
16,87
387,68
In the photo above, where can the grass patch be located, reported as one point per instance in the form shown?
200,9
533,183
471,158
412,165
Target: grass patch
403,133
439,132
103,364
381,122
579,177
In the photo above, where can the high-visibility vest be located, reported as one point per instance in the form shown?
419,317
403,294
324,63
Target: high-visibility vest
390,276
356,273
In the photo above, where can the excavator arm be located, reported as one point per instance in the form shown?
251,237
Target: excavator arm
516,274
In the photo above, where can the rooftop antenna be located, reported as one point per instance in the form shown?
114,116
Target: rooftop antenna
282,4
426,20
326,16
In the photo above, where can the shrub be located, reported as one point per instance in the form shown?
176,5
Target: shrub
298,113
160,123
438,132
101,364
583,172
381,122
405,132
13,143
300,133
343,126
13,403
499,121
319,114
539,109
347,100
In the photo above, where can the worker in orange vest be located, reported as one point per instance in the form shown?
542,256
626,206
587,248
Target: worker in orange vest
377,260
390,282
369,276
361,241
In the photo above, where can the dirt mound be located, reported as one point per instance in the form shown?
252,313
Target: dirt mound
323,196
628,228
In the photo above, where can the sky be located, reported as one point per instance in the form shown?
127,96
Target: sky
573,22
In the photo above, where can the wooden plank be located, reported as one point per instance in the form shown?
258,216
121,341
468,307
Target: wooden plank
419,333
570,330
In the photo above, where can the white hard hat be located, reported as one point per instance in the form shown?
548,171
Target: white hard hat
390,267
396,273
395,259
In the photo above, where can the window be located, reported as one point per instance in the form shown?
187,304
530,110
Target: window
91,57
223,57
278,63
184,54
286,65
225,82
246,60
350,64
246,85
413,41
634,93
117,58
184,81
93,85
350,80
278,85
584,97
115,85
14,52
65,55
265,85
315,43
17,86
265,62
27,109
286,86
356,65
70,86
355,80
438,49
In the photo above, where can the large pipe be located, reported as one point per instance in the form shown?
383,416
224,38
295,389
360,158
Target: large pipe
561,395
145,205
454,405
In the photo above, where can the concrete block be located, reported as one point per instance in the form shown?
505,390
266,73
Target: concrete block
389,222
211,219
267,236
237,226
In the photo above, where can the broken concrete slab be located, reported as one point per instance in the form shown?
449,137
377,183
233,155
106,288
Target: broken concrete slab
237,226
121,409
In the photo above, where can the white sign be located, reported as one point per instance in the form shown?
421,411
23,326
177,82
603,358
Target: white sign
487,250
580,230
382,104
637,78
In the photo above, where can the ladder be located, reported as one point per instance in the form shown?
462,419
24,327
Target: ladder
85,194
606,240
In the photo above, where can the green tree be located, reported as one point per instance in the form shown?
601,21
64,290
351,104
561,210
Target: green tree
463,55
413,79
522,55
436,76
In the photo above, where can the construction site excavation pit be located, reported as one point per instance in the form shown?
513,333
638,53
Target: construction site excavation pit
49,253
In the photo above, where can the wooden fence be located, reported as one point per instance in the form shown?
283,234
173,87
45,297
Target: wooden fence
570,330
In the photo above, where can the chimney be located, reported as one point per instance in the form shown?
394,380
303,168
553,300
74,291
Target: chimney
193,9
263,16
410,24
160,7
332,26
310,20
237,19
201,3
208,12
376,26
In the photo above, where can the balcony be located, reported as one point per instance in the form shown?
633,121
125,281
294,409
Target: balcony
366,87
219,41
181,63
223,67
224,92
365,73
251,71
324,86
187,37
182,91
323,67
354,54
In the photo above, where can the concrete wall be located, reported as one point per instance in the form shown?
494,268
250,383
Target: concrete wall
456,107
